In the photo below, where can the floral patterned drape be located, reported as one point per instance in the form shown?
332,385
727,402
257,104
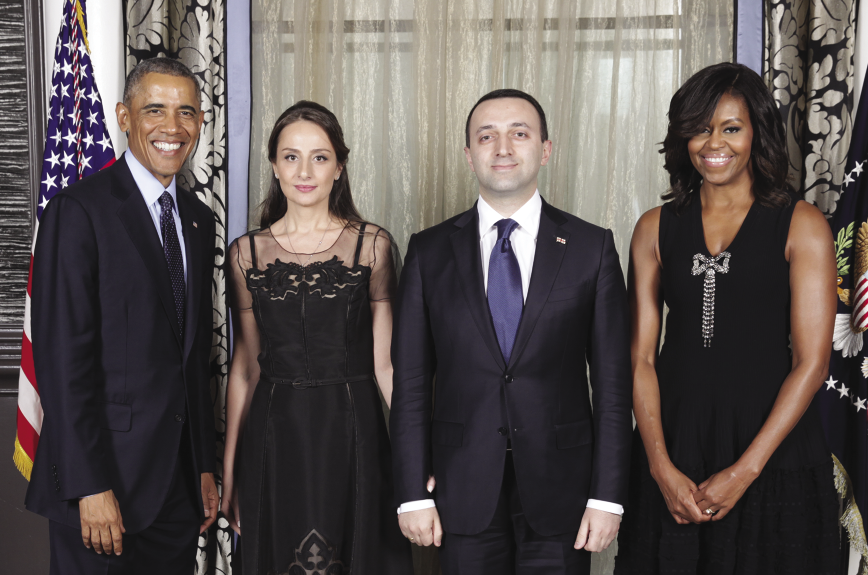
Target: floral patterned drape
809,47
194,32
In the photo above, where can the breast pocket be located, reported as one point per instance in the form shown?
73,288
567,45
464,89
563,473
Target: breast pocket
569,292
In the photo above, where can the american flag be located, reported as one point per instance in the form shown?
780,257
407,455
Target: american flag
77,145
843,400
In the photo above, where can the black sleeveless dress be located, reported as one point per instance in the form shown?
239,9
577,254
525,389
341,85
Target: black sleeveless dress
314,461
715,399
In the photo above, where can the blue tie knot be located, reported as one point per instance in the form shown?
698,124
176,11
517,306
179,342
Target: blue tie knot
166,201
505,227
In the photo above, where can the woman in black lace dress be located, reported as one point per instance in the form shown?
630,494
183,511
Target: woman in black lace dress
307,465
731,472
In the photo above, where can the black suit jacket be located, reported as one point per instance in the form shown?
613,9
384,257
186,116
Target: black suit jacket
567,446
116,380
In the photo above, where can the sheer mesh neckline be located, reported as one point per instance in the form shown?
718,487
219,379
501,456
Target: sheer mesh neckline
319,251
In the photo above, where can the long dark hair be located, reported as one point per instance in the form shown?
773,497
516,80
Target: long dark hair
340,199
690,111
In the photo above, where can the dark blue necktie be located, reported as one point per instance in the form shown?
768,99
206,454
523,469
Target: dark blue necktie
504,288
172,249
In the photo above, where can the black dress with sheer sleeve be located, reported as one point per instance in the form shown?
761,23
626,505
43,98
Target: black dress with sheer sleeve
314,461
725,357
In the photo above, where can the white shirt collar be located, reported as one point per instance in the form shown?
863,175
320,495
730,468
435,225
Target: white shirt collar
148,184
526,216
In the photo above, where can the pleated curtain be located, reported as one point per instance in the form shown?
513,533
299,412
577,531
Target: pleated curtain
193,31
401,76
808,66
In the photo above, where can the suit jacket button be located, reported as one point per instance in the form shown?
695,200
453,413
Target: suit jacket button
179,418
508,378
503,431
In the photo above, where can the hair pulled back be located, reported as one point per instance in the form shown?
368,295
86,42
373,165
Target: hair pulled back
340,199
691,110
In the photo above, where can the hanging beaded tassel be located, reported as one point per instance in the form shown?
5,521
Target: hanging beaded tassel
710,267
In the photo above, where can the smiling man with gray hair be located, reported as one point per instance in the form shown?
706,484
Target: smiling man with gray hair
121,345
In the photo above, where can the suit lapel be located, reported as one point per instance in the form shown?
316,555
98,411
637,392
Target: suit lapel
546,265
192,247
465,247
136,219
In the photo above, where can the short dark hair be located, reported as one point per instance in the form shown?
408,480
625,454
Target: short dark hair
508,93
159,65
690,111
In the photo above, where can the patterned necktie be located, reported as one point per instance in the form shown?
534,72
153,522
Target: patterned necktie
504,288
172,249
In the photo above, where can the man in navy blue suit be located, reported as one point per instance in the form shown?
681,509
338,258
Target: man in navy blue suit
508,305
121,345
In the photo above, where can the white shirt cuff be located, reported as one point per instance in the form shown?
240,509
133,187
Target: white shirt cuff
416,505
606,506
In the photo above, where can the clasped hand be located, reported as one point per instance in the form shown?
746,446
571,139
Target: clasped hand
689,503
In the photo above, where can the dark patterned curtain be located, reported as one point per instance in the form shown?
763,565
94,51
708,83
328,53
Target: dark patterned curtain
194,32
809,69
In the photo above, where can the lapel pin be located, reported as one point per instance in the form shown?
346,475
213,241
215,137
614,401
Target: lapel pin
196,226
560,240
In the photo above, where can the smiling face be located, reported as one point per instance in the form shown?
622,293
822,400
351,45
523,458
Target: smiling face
506,149
721,152
162,123
306,164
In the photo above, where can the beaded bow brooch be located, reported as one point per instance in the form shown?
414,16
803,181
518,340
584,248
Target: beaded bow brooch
710,267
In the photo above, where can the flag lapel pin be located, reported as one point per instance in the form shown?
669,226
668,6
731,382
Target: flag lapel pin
561,241
195,225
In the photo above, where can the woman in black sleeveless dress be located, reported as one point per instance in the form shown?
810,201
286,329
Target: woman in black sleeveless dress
731,471
307,465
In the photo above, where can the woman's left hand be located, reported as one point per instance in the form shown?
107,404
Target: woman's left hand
721,491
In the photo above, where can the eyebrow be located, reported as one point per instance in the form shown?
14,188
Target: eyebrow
312,151
157,106
513,125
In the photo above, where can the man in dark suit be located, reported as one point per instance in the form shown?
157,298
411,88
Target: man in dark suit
122,339
505,304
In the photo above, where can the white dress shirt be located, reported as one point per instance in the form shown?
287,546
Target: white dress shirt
151,190
523,240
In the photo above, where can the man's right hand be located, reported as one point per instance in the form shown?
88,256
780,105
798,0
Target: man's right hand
422,527
101,523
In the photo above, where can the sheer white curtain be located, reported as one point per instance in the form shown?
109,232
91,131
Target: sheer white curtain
401,76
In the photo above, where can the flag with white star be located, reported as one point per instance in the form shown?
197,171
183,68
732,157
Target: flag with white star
843,400
77,145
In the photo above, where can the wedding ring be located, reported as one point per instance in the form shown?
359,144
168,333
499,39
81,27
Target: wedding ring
709,511
411,539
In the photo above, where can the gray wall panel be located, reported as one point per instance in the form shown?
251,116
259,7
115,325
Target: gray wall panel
15,212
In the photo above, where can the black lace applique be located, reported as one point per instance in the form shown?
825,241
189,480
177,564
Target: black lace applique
322,278
316,557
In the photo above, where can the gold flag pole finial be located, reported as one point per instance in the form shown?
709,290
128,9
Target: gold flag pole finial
79,13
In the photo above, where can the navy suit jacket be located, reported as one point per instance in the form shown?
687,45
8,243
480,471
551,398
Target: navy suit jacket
568,446
118,383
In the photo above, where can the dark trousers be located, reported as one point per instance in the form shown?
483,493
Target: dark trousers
167,546
510,546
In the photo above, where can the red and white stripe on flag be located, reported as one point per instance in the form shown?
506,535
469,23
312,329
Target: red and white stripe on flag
77,145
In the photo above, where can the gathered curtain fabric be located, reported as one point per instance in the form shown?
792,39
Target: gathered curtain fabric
808,66
193,31
402,75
